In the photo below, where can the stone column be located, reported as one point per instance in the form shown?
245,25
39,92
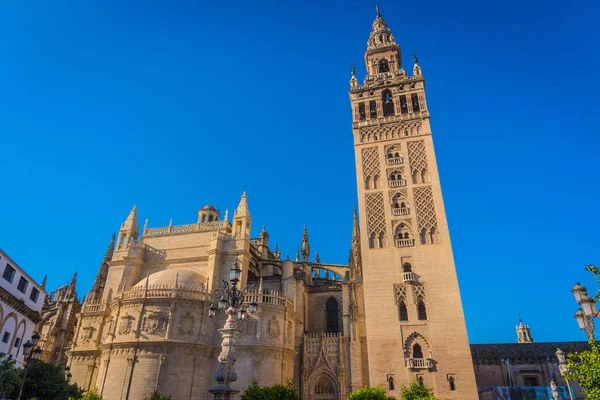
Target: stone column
226,373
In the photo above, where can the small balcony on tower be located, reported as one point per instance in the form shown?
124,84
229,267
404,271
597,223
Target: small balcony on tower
409,277
405,242
395,160
400,211
403,236
419,363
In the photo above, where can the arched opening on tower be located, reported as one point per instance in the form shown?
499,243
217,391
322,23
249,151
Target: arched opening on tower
417,352
384,66
402,311
388,103
421,310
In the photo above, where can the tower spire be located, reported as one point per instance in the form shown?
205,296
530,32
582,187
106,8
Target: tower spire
97,289
378,10
74,280
317,259
305,248
129,230
43,285
241,218
523,332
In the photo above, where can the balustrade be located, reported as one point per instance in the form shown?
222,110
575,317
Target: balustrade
419,363
409,277
400,211
398,183
405,242
395,160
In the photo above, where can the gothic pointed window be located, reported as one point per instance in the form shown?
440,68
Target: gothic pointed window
403,105
406,267
383,66
391,385
452,383
361,112
402,311
388,103
417,351
423,236
372,241
421,310
332,320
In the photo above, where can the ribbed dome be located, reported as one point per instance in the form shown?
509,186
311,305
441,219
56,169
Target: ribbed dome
209,206
183,276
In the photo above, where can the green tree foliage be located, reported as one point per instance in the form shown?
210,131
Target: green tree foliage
89,395
416,391
584,366
10,380
370,393
276,392
45,381
157,396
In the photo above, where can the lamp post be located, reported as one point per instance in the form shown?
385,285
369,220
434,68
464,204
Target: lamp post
587,313
562,367
554,390
230,300
31,352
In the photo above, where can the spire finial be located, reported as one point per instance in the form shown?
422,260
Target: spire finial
415,54
297,255
378,10
353,69
317,259
43,285
305,245
74,280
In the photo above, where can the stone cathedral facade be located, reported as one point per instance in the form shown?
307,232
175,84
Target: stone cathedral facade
391,315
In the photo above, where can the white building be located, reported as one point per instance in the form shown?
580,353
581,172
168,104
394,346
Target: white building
21,301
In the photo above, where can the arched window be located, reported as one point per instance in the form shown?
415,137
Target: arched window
375,181
417,352
422,310
452,383
382,240
367,183
391,385
204,218
388,103
372,241
420,379
403,232
383,66
406,267
210,218
331,310
433,236
402,311
423,235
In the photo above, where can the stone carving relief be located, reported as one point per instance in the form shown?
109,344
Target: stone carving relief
186,324
155,323
87,334
248,326
126,324
273,328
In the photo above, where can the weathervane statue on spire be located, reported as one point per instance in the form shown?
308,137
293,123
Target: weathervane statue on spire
378,10
414,54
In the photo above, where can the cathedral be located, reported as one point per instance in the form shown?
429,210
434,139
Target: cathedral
393,314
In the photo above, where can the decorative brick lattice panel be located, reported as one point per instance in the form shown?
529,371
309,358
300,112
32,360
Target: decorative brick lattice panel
391,131
425,208
420,293
370,160
400,291
417,156
375,213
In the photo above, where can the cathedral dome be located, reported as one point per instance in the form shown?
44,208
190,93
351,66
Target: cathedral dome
210,207
183,276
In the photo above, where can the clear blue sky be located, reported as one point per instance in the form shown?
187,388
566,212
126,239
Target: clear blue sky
174,104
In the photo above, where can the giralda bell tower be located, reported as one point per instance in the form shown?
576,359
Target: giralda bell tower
414,316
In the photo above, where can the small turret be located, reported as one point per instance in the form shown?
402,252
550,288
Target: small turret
208,213
43,285
277,253
305,248
129,231
523,332
416,69
242,219
97,290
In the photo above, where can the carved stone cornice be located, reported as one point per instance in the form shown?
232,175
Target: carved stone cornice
13,302
324,288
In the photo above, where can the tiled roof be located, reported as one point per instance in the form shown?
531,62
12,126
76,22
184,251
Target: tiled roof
523,351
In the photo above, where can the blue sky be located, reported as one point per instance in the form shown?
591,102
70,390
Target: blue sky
171,105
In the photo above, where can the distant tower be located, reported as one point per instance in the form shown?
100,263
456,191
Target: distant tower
523,333
411,294
208,213
242,219
305,248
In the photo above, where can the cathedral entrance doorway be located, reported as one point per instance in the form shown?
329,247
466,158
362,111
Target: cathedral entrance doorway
324,389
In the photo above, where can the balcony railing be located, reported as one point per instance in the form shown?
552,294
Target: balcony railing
405,242
398,183
395,160
419,363
400,211
409,277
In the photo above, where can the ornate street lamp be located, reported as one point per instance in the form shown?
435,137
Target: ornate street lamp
562,367
31,352
587,313
230,299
